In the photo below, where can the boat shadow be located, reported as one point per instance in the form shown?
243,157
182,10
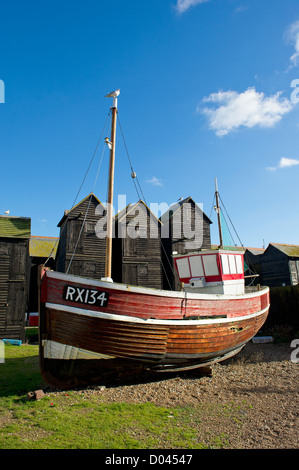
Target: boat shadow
251,354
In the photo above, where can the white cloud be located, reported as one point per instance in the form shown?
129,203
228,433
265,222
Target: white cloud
155,181
284,163
184,5
248,109
292,36
240,9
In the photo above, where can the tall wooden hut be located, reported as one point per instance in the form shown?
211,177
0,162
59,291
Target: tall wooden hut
14,275
185,228
137,247
79,244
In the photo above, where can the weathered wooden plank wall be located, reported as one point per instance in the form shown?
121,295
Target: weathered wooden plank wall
14,287
189,230
274,268
284,307
137,261
88,259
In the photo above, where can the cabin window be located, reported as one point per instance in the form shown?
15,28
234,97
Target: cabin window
239,264
225,265
232,264
210,265
196,266
183,268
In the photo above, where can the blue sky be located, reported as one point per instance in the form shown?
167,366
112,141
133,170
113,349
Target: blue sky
208,89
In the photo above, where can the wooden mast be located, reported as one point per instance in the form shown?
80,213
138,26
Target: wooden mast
108,261
218,214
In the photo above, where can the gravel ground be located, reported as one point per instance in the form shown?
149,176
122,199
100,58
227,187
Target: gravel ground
259,389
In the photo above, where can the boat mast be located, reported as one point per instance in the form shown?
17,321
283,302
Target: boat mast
218,214
108,261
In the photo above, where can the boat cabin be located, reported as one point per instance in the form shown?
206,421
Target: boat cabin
212,271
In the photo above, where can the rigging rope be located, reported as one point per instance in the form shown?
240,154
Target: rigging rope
246,258
132,170
94,153
143,198
231,221
222,216
86,213
138,193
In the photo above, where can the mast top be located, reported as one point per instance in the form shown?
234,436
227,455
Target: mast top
114,95
218,214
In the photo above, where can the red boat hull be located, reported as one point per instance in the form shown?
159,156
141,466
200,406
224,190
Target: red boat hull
133,327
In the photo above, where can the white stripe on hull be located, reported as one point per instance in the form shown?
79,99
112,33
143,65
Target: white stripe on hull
54,350
125,318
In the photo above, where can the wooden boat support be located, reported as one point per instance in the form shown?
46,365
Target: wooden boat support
89,328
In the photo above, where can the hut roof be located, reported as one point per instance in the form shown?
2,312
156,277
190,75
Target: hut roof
67,212
15,227
129,208
289,250
43,247
178,205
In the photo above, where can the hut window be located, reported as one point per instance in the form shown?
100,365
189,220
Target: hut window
90,228
143,270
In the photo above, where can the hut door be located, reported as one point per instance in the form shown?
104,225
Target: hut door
4,276
293,267
130,275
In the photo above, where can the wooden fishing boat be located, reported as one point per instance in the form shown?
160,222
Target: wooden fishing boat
92,328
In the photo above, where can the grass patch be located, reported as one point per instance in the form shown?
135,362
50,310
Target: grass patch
20,371
74,425
76,420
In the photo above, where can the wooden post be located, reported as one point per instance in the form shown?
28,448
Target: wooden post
110,196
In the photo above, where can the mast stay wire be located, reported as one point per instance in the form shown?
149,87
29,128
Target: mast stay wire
248,262
93,156
213,207
231,221
132,170
86,213
143,197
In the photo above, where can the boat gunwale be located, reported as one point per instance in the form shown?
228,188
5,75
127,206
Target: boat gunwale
151,291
